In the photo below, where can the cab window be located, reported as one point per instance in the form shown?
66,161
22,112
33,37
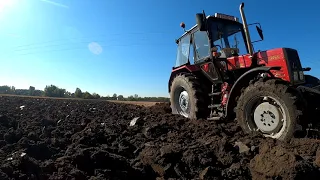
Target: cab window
201,43
183,51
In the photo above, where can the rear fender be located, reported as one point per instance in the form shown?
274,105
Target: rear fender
182,69
243,81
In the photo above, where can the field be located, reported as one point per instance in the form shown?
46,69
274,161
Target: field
140,103
46,138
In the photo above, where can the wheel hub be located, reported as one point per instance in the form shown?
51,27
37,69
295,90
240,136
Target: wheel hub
268,117
184,102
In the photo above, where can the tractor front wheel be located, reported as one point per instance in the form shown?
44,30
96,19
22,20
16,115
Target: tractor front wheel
187,98
269,108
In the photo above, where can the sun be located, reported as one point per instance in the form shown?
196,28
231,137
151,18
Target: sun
6,4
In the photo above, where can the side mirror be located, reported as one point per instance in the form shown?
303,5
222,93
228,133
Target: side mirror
306,69
258,27
201,22
260,32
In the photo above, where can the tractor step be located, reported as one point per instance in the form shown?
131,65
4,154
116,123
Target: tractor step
215,94
215,118
214,106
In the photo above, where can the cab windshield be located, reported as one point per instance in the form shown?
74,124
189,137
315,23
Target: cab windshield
225,35
228,35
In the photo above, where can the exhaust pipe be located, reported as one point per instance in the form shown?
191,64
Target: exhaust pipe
245,27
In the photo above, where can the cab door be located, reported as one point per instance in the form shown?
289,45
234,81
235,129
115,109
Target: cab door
201,53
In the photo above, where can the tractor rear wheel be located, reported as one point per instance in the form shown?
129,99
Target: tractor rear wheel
269,108
187,97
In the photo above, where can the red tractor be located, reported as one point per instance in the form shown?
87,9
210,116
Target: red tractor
218,76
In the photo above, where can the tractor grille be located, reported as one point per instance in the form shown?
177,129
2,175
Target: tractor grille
293,59
294,65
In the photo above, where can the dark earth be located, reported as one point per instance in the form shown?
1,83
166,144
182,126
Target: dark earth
83,139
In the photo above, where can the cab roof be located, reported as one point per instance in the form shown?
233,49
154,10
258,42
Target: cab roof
209,17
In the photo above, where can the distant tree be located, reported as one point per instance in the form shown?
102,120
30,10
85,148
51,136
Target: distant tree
38,93
120,98
114,96
22,91
108,97
31,90
130,98
51,91
78,93
67,94
61,92
96,96
87,95
6,90
13,89
54,91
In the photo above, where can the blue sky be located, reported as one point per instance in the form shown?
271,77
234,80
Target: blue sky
46,42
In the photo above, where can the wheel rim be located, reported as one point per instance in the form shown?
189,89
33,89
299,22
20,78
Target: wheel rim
266,116
184,103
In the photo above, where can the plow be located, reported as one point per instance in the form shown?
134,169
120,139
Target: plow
219,76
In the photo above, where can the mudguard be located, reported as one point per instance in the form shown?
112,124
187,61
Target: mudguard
184,68
242,81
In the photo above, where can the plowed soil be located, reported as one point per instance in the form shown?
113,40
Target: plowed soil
74,139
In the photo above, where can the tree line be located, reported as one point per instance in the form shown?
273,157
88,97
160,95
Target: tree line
55,91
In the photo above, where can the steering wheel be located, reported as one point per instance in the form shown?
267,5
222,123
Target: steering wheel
216,47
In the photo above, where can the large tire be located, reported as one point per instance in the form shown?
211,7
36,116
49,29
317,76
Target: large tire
253,113
186,85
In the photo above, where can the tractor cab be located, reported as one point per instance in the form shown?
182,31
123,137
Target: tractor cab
224,38
220,36
218,45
